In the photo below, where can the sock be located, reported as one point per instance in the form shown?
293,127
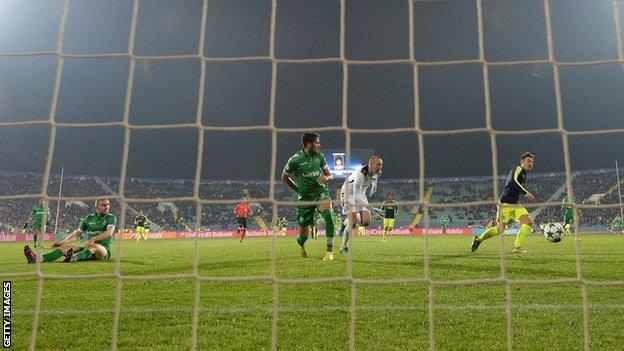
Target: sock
301,240
522,233
490,232
347,236
347,233
342,228
242,234
35,236
328,216
52,255
385,232
83,255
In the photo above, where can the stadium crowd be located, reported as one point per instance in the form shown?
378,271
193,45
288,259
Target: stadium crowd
590,187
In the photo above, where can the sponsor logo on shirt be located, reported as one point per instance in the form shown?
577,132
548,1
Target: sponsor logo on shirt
311,174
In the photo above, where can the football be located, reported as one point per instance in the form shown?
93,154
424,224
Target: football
554,232
377,213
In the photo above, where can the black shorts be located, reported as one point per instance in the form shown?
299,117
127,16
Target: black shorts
242,222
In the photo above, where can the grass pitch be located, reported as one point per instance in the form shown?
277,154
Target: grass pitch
157,313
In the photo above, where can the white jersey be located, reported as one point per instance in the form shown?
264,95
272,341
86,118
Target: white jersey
353,191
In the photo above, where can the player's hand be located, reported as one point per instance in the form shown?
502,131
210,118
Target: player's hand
56,244
530,197
322,179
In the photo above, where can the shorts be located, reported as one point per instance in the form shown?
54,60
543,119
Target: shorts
306,214
388,223
350,207
506,212
141,230
108,253
568,217
242,222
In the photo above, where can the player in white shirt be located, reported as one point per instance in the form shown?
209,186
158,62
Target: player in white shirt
353,196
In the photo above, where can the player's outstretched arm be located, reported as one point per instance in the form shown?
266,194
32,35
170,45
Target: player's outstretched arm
68,239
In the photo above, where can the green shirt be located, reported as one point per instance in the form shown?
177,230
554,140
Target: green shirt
37,215
444,221
93,225
567,203
305,170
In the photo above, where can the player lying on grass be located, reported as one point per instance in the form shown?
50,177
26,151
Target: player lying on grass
99,227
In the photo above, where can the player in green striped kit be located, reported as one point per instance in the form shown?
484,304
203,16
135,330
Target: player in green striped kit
37,214
99,227
306,172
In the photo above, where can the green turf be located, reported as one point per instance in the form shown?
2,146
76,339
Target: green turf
158,314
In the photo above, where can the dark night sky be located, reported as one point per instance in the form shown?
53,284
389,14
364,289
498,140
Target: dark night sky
237,93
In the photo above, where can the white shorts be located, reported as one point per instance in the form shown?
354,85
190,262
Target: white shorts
351,207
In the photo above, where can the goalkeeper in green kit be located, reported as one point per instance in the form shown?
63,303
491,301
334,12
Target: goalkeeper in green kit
99,227
306,172
567,205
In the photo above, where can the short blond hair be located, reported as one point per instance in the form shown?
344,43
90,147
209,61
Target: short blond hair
97,201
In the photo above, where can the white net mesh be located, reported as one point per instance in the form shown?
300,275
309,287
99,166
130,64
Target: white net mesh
347,64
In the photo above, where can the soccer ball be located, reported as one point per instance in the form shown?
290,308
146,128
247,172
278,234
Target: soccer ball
553,232
377,213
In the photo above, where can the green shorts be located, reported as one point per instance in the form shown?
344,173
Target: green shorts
307,215
568,217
